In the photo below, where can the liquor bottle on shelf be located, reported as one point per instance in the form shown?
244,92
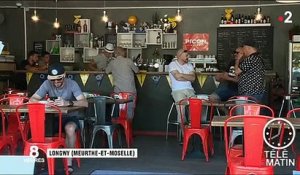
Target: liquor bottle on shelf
268,19
91,40
223,20
249,19
239,19
85,26
79,27
232,20
242,19
158,38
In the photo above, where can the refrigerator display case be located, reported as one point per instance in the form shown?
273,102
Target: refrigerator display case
294,68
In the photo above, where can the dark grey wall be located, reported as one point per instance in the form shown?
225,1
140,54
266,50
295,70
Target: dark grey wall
195,20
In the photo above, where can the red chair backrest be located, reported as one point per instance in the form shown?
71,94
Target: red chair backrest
36,112
14,100
3,123
124,107
251,109
195,110
293,113
244,97
253,137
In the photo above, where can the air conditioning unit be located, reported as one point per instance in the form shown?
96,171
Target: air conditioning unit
287,1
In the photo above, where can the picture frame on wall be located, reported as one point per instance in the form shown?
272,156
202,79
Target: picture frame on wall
85,25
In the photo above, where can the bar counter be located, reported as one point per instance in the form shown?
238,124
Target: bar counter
153,88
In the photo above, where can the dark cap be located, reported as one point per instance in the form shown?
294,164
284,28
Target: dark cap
56,71
249,43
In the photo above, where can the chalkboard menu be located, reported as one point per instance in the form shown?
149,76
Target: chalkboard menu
229,38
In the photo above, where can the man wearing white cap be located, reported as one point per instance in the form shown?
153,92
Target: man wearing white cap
66,93
100,61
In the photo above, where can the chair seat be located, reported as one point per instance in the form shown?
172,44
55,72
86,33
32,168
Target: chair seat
236,151
236,166
49,141
203,127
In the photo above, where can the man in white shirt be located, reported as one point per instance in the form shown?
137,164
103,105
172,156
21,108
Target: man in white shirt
182,75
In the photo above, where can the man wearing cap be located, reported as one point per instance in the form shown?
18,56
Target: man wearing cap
182,75
251,72
100,61
67,93
123,70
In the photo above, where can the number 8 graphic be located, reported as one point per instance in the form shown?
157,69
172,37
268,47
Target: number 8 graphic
34,151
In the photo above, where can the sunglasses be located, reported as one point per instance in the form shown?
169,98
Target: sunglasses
56,79
236,52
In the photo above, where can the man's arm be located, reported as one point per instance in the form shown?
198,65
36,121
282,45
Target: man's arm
225,77
81,101
134,67
183,77
237,69
35,98
92,65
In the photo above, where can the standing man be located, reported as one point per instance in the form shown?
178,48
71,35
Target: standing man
123,70
100,62
68,93
251,72
182,75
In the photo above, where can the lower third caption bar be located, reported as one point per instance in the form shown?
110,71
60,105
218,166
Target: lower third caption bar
92,153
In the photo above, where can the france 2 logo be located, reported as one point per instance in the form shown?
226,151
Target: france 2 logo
286,18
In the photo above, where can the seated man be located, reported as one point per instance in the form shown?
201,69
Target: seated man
228,81
182,75
68,93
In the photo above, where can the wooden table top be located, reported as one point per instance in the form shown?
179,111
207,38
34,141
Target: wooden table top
64,109
220,120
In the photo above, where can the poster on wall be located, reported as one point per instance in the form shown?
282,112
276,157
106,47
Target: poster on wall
196,41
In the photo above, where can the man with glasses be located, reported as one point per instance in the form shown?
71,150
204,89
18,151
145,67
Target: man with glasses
182,75
228,81
64,92
251,72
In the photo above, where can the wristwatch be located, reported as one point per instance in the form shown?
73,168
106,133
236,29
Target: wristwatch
71,103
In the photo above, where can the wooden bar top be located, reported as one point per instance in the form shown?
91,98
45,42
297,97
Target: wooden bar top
268,73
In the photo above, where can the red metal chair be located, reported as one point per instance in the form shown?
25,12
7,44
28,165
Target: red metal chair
36,113
123,119
195,106
252,161
244,109
5,141
13,131
294,113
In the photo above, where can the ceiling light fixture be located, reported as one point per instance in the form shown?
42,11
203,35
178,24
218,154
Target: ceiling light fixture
34,17
287,1
259,15
56,23
178,16
104,17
